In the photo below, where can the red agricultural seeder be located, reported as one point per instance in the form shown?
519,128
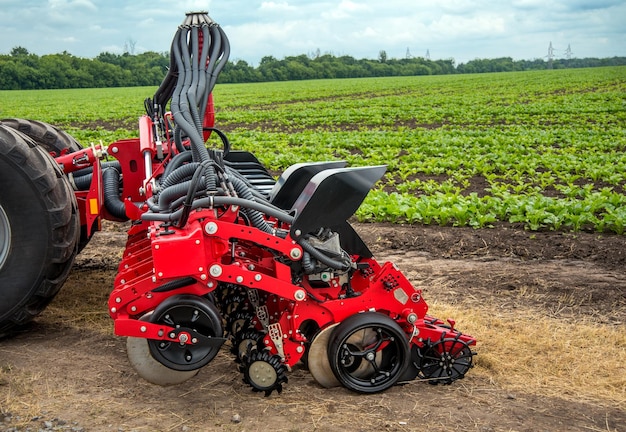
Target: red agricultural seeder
217,250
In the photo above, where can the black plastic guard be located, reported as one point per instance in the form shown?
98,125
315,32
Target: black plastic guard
332,196
350,240
294,179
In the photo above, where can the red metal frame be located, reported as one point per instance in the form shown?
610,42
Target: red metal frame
215,248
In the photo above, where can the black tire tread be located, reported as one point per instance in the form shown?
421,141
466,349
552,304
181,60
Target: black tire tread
53,139
61,209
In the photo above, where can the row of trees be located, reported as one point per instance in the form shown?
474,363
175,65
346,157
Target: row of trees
23,70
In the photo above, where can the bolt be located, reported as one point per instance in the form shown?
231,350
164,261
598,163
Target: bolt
133,309
118,300
203,277
157,246
123,281
239,279
294,253
300,295
172,335
257,277
194,340
143,329
299,349
114,149
411,318
215,270
298,233
211,228
183,338
113,310
197,242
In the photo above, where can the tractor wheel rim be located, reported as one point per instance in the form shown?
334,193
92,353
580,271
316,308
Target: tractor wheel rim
5,237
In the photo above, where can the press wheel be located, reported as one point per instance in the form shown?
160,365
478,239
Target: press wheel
368,352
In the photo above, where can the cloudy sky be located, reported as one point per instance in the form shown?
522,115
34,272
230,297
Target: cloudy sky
459,29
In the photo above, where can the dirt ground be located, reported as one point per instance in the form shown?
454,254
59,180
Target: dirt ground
73,374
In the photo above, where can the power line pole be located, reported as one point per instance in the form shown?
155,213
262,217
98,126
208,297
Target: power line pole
408,53
550,55
427,54
568,54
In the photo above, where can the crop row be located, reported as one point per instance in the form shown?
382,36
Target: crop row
545,149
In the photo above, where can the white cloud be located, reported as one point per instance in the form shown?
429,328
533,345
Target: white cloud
275,6
72,4
462,29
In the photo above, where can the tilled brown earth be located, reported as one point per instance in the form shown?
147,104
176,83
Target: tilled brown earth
69,372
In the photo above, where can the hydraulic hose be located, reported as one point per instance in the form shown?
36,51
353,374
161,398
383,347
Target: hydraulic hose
111,181
82,182
307,264
180,174
169,195
197,73
324,259
213,201
176,162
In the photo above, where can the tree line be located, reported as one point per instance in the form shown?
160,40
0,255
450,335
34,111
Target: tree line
22,70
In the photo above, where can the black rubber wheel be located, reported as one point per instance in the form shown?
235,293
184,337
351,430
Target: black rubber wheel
198,316
39,229
368,352
55,141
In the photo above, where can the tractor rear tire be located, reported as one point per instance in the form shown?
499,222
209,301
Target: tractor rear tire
51,138
56,142
39,229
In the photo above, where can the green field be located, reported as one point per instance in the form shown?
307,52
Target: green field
543,149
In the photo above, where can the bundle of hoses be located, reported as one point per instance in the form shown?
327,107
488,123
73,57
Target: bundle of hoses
199,52
198,177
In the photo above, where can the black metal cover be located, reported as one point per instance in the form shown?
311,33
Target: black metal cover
294,179
332,196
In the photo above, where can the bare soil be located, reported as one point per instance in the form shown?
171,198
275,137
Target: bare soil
69,372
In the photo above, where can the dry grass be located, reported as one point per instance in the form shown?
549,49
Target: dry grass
529,342
521,349
574,359
80,305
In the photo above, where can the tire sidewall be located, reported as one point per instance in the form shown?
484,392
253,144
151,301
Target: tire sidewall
356,323
30,238
42,214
